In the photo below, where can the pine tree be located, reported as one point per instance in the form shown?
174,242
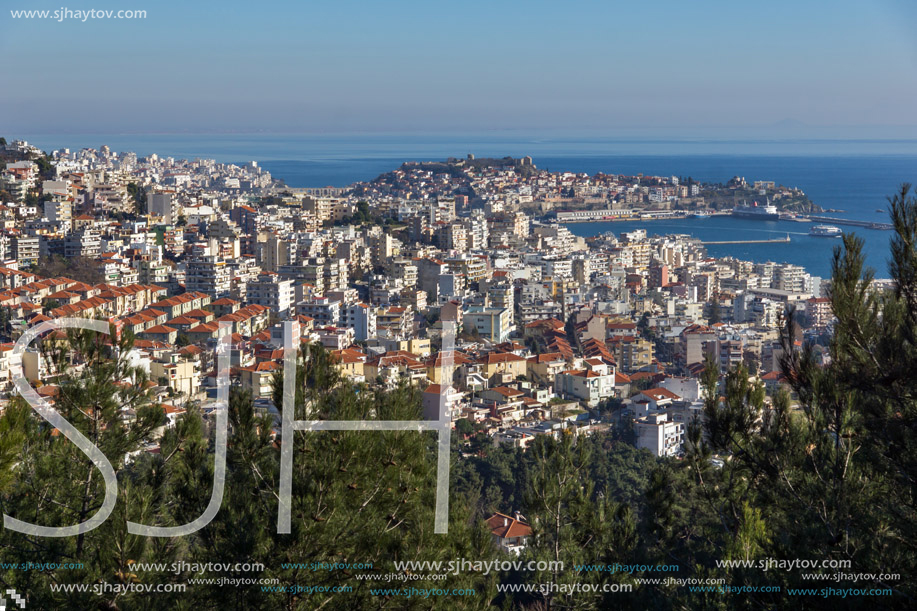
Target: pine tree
573,524
828,473
358,497
56,485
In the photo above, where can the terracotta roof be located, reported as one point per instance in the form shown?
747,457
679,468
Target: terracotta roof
546,357
660,393
206,327
505,527
551,323
500,357
225,301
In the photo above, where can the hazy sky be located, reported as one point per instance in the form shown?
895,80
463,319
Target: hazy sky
348,65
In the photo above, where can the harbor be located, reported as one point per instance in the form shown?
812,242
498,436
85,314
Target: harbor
585,216
750,239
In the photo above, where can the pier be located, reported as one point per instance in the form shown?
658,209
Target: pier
853,223
771,241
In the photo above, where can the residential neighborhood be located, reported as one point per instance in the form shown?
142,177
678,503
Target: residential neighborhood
554,332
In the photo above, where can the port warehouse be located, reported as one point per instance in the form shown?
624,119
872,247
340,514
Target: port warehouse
573,216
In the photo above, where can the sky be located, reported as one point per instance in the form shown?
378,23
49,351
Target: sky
816,67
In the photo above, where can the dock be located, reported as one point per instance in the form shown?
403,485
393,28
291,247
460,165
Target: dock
850,222
771,241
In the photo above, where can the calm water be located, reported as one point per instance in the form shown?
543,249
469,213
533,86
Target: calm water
851,175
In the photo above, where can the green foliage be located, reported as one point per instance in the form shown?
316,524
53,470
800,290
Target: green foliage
571,522
363,215
45,167
55,484
716,310
12,437
643,326
731,423
138,197
464,427
6,319
49,305
831,480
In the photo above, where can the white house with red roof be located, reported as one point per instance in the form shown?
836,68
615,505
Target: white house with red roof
511,534
591,384
655,398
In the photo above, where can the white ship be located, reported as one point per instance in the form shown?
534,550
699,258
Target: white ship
767,212
825,231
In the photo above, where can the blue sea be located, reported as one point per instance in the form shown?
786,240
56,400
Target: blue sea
855,176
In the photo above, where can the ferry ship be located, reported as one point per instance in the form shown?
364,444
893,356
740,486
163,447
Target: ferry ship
825,231
768,212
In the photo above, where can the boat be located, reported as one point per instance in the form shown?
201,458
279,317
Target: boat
768,212
879,210
700,215
802,219
825,231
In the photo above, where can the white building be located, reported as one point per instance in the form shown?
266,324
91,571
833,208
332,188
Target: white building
590,385
60,212
160,204
689,389
432,397
208,274
361,318
325,311
271,291
495,324
657,434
